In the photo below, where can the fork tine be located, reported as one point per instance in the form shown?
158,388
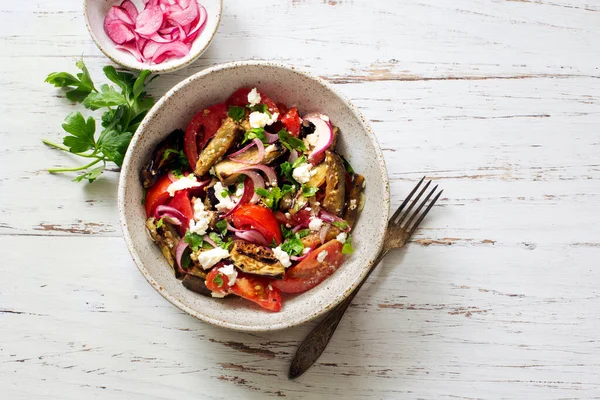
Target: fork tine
412,204
414,214
412,230
405,202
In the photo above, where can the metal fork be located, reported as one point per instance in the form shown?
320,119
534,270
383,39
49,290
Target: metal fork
397,234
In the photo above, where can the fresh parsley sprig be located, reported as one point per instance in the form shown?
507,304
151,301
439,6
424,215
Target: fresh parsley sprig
126,107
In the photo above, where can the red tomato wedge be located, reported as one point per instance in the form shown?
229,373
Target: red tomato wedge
201,129
181,202
310,271
253,288
291,121
252,216
157,194
239,98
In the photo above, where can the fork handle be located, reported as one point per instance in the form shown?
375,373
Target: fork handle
315,343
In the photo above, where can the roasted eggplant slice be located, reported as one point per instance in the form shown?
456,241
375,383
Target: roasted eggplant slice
166,237
255,259
355,198
336,134
227,171
226,136
196,284
318,176
335,190
162,159
314,240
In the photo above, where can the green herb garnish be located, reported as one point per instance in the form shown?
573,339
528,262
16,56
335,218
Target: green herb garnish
302,233
160,223
347,247
293,246
255,133
343,225
222,227
194,240
273,196
220,242
236,113
218,280
290,142
262,108
287,170
299,161
347,165
309,191
125,110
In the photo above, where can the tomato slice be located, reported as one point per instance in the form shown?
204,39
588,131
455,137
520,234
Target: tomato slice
201,129
239,98
181,202
310,271
252,216
157,194
291,121
253,288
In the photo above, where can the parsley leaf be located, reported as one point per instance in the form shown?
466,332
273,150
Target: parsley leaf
218,280
343,225
293,246
193,239
347,247
309,191
254,134
299,161
220,242
161,223
222,227
262,108
287,233
236,113
287,170
290,142
82,132
273,196
302,233
125,110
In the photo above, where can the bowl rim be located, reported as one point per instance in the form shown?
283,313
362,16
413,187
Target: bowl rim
338,298
153,68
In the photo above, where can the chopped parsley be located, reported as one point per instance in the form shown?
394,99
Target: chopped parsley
194,240
290,142
309,191
218,280
262,108
160,223
293,246
236,113
347,247
343,225
287,170
273,196
255,133
299,161
347,165
220,242
222,227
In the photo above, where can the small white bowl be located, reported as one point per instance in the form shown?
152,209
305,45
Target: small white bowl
292,87
95,11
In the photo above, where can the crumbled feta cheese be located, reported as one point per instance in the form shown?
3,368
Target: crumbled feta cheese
321,256
342,237
225,202
260,120
185,182
282,256
253,97
240,190
270,287
352,204
306,250
270,148
199,224
210,257
288,215
315,223
217,295
312,139
308,209
302,173
230,272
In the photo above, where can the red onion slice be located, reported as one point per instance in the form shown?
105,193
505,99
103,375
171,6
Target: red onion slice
179,250
162,211
293,156
261,153
132,50
177,48
187,15
252,236
231,228
268,171
118,32
271,137
302,257
201,20
242,150
257,182
247,196
329,217
324,133
209,241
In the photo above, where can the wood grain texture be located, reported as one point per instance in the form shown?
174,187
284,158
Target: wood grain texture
496,297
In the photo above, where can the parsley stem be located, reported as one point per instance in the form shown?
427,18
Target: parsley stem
57,170
64,148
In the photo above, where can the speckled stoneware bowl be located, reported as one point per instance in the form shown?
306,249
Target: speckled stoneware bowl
284,84
95,11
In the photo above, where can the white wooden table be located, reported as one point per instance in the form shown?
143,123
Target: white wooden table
497,296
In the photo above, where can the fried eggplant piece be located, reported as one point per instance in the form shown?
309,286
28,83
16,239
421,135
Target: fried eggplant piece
255,259
196,284
335,189
166,238
227,170
162,159
355,199
227,135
